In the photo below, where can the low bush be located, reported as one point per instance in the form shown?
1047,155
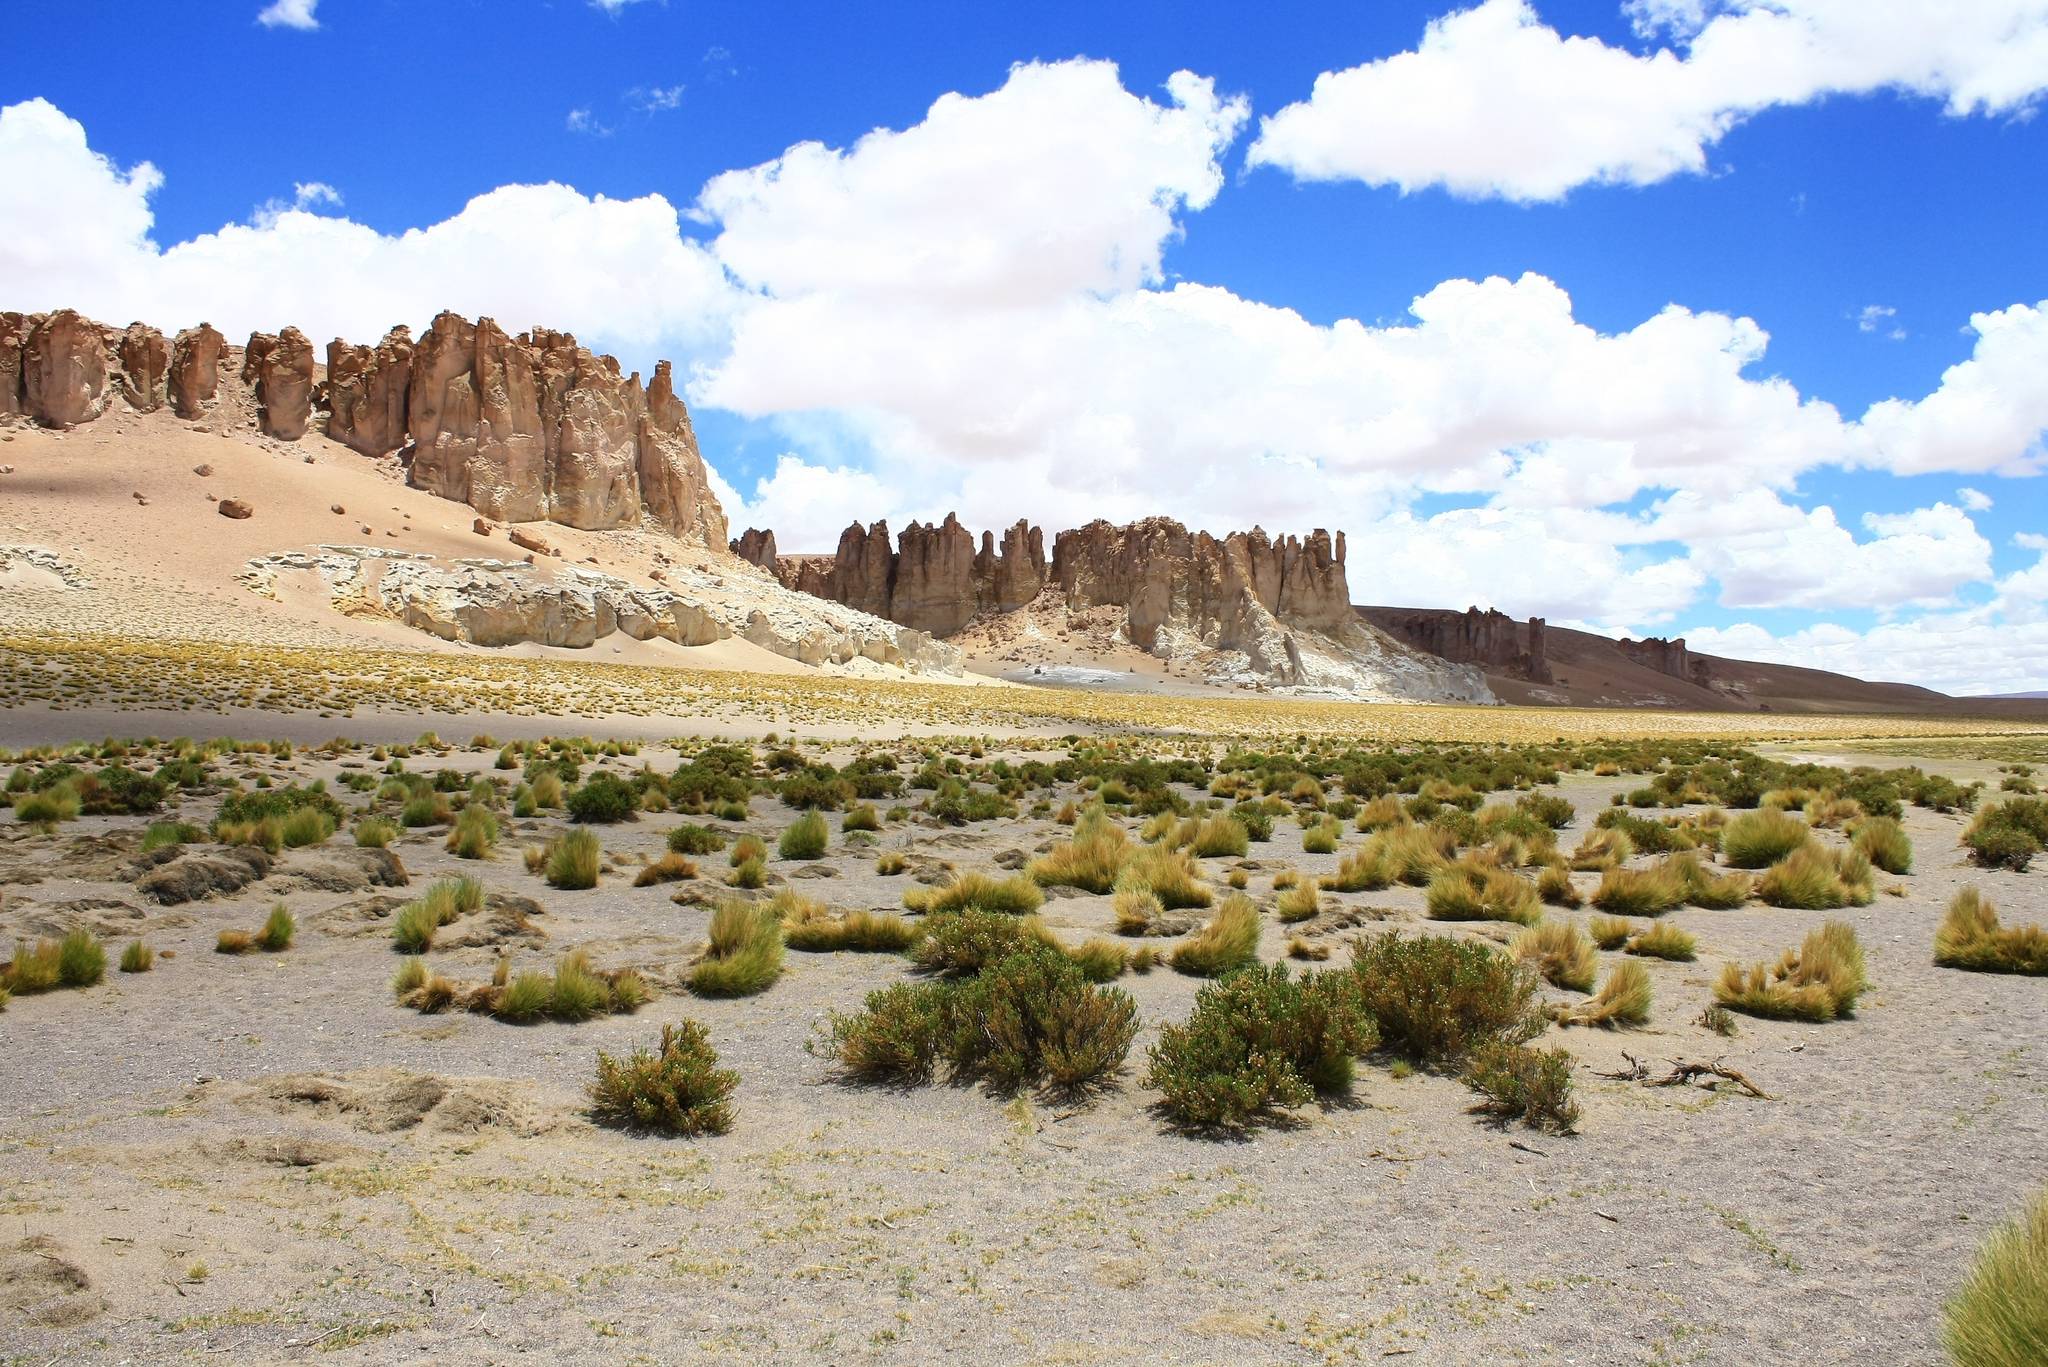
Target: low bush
1999,1316
1560,953
603,799
1624,999
678,1089
2008,834
805,838
1516,1082
1259,1041
745,956
1971,937
956,943
690,838
1819,981
1229,941
1437,999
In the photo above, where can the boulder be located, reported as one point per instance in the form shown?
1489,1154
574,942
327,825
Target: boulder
194,376
366,392
195,877
234,508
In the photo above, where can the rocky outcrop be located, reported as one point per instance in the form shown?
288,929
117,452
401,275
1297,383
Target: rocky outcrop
195,369
1491,639
523,429
488,606
756,546
1668,657
933,588
280,372
13,343
934,579
64,369
145,362
366,392
1009,580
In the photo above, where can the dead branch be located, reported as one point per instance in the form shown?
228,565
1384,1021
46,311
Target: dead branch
1685,1073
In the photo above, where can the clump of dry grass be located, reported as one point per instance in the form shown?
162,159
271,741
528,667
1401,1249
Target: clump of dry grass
1624,999
745,956
1560,952
861,932
1554,887
1601,849
1300,902
670,868
1136,908
1468,891
1089,861
1172,875
1815,878
1999,1317
1663,940
1757,839
1884,842
1229,940
1971,937
1610,932
974,890
1816,982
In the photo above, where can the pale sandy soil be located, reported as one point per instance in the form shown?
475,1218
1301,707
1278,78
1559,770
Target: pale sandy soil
144,1129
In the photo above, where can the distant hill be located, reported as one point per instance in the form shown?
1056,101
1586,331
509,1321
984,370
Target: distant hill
1536,664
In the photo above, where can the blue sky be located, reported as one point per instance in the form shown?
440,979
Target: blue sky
1062,295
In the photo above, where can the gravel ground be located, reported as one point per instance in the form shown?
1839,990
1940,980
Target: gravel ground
163,1194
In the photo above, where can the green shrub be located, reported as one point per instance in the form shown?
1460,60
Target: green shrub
1229,941
806,837
745,956
956,943
375,833
603,799
1971,937
138,957
48,807
1436,999
690,838
894,1038
1516,1082
1259,1042
1999,1316
1762,837
2008,834
573,860
678,1089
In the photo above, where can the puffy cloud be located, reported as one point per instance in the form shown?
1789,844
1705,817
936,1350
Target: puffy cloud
75,232
1975,500
1916,559
1988,414
1493,102
296,14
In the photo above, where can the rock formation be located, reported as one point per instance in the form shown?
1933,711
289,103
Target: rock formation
145,362
195,369
366,392
1491,639
523,429
1669,657
280,371
13,344
756,546
1014,577
64,369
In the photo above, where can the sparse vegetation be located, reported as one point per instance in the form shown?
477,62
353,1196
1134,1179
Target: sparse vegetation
678,1089
1816,982
1971,937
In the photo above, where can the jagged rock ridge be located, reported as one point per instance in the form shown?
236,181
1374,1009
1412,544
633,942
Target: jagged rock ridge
524,429
1490,639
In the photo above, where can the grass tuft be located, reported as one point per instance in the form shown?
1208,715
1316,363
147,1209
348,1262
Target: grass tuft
1817,982
1971,937
1229,941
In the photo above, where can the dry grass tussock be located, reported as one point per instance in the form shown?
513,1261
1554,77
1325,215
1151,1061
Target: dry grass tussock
1624,999
1999,1317
1971,937
1560,952
1816,982
1468,891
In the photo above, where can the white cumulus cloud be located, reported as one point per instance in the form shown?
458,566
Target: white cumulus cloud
1493,102
296,14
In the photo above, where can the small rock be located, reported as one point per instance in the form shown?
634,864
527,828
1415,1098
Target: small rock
338,510
309,458
202,470
235,508
480,527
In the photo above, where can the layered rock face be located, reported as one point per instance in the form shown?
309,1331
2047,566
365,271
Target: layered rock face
1491,639
1669,657
523,429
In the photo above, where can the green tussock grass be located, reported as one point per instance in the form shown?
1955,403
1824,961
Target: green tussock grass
1090,860
1760,838
573,860
805,838
745,956
375,832
475,834
860,932
137,957
412,929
